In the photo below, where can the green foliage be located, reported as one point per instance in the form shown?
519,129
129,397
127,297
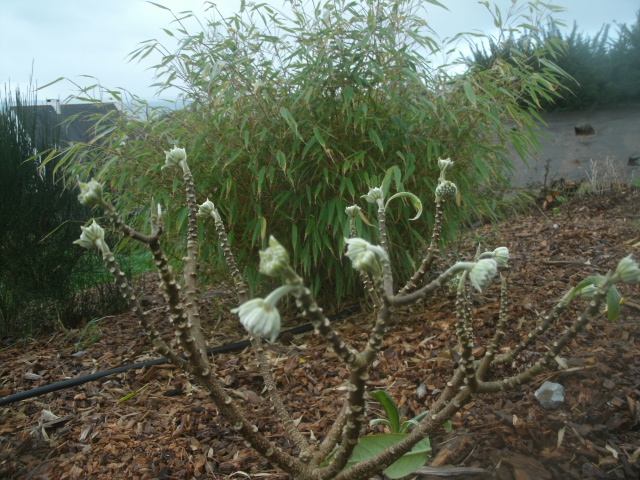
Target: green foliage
38,222
290,118
371,445
602,72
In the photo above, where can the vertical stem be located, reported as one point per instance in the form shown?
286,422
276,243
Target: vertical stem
432,251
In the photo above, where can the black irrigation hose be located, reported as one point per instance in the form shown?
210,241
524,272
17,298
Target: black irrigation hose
73,382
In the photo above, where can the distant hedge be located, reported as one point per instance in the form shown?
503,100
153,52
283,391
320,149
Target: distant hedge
604,72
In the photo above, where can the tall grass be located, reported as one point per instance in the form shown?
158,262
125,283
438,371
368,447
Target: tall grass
290,118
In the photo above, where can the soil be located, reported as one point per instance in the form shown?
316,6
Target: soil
154,423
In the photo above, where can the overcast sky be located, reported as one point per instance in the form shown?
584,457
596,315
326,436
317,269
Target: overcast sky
71,38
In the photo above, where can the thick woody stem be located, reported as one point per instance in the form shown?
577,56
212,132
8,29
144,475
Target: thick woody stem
177,314
263,362
547,358
432,252
547,321
274,395
111,212
191,263
240,287
369,467
464,332
377,335
386,266
134,304
440,281
250,433
356,414
486,361
357,378
332,438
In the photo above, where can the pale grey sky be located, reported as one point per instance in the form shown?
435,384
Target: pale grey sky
71,38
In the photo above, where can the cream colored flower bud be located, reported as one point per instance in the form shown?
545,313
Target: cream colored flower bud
274,259
260,316
91,237
628,270
90,193
588,292
364,256
208,209
175,157
444,164
501,256
482,273
353,211
375,195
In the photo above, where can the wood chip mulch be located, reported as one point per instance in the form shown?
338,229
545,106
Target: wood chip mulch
153,423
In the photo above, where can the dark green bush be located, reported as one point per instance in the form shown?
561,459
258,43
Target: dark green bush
291,118
602,72
39,220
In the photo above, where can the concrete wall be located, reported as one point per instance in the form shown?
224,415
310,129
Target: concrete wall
617,136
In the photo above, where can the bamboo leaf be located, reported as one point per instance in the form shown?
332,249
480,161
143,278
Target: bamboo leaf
468,91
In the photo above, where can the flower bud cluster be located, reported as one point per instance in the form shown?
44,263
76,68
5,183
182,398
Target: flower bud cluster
446,190
375,195
364,256
92,237
90,193
176,157
274,260
208,209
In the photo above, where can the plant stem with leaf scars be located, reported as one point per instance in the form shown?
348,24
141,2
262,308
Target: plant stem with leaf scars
190,273
503,317
464,332
432,252
250,433
440,281
358,374
134,304
263,362
547,321
386,266
332,438
551,353
223,240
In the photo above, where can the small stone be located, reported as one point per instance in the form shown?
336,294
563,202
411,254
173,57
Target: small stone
550,395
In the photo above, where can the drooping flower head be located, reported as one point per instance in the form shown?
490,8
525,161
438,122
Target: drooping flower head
501,256
628,270
353,211
482,273
364,256
260,316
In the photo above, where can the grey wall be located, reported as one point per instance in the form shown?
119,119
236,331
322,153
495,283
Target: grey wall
617,136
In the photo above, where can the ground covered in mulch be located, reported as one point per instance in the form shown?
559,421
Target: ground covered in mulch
153,423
